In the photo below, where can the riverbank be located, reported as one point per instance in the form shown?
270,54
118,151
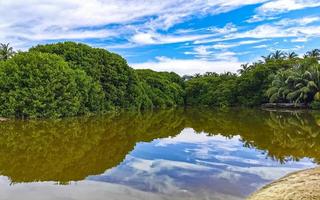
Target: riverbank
286,105
301,185
2,119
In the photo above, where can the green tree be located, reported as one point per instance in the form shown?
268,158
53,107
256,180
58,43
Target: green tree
291,55
296,85
211,89
36,85
6,51
163,88
120,83
315,53
277,55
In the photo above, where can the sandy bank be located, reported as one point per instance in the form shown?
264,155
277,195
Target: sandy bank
301,185
3,119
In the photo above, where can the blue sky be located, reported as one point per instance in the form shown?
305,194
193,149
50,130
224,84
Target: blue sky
184,36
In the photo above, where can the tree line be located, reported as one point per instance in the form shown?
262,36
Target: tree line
278,78
70,79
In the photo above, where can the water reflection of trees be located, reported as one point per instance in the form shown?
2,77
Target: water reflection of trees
283,135
72,149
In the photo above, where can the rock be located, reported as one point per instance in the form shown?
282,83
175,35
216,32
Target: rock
3,119
301,185
285,105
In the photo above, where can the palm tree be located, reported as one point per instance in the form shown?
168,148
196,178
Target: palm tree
315,53
279,88
306,85
210,74
291,55
6,51
296,85
267,58
278,55
197,75
244,68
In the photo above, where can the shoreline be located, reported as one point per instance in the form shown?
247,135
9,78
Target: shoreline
2,119
300,185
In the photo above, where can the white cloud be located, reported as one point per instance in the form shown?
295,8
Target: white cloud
300,22
270,9
188,135
267,173
228,28
188,66
276,31
279,6
29,20
235,44
260,46
82,190
155,38
301,39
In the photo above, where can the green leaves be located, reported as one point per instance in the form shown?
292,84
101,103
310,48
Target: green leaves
40,85
120,84
300,84
6,51
164,89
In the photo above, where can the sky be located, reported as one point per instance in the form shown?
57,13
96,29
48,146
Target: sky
183,36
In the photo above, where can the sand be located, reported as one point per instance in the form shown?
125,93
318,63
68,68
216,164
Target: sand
301,185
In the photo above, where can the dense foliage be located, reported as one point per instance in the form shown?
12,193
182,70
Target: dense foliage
278,78
300,83
120,83
42,85
6,51
211,89
69,79
163,88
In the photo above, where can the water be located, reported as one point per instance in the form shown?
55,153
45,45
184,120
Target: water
169,154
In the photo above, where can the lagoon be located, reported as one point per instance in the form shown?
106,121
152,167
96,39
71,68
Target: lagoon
164,154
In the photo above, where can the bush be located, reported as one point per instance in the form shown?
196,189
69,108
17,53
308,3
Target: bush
120,83
211,90
315,105
35,85
163,88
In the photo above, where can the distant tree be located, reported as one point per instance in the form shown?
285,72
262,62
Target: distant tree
291,55
315,53
244,68
6,51
278,55
266,58
210,74
164,89
186,77
197,75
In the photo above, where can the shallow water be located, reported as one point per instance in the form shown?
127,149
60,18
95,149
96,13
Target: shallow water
168,154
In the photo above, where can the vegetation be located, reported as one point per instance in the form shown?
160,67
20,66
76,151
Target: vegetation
34,85
280,78
163,88
6,51
211,89
70,79
120,84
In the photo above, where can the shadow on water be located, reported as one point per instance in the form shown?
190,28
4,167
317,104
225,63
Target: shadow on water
72,149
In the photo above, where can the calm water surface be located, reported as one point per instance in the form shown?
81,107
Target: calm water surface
171,154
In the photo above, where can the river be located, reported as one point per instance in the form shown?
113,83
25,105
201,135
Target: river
166,154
